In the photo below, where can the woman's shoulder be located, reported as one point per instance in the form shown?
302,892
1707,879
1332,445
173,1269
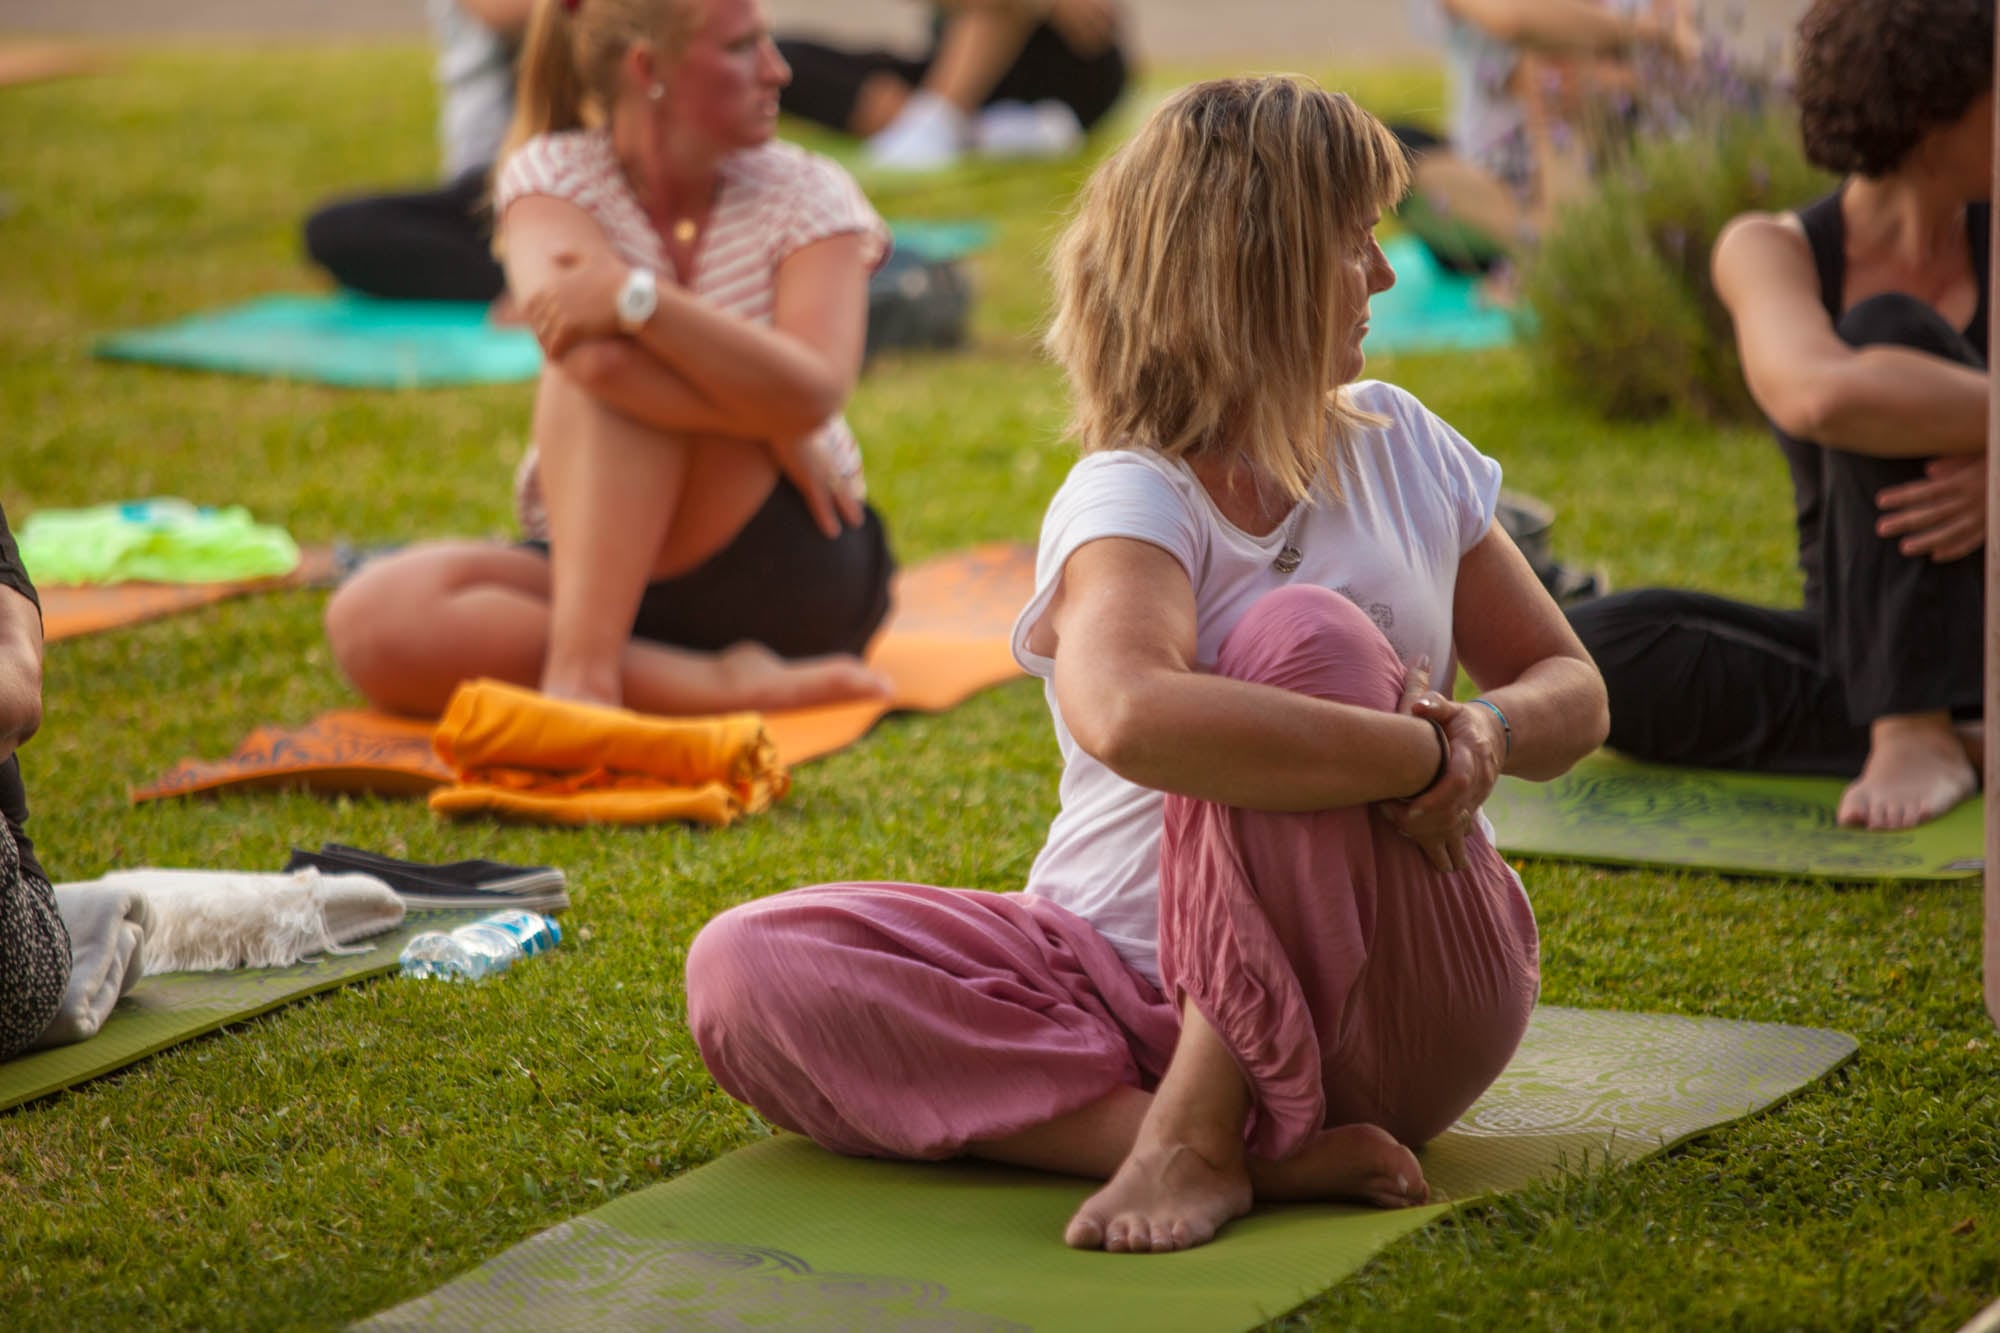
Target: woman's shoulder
785,168
561,161
1410,437
1110,469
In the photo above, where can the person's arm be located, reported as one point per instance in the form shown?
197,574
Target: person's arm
767,383
1123,630
20,670
1576,27
1520,651
1888,402
509,18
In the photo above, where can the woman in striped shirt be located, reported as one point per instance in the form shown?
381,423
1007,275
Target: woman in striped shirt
698,540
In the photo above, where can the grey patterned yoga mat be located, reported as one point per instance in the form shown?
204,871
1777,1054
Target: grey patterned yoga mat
781,1235
1621,812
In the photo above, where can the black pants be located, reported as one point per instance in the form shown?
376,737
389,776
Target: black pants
431,245
1698,679
34,950
826,81
780,583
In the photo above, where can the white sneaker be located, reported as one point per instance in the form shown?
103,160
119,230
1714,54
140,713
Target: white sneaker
929,134
1046,130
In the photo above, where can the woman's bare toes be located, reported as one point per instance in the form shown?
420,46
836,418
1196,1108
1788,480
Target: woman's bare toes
1161,1199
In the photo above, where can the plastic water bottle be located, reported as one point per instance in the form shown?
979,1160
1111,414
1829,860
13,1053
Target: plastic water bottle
480,948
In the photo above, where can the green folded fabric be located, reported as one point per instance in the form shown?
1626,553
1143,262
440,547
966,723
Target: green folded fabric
159,541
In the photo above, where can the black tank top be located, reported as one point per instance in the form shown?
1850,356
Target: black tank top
1826,236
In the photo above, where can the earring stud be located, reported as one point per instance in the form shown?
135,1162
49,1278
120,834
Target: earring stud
656,92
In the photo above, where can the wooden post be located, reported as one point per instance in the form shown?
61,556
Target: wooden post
1992,793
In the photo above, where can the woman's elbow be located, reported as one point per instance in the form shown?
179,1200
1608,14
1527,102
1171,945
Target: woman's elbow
1112,731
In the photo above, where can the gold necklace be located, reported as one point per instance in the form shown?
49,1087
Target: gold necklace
685,231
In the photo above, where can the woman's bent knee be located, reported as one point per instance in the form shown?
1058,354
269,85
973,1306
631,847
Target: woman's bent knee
1312,640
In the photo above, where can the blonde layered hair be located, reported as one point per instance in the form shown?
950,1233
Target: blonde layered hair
1198,300
569,70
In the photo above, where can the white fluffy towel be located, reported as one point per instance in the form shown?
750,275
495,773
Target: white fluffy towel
208,921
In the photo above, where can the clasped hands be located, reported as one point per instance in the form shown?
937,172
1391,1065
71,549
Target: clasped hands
1439,818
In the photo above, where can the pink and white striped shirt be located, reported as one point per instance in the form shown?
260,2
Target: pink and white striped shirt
770,201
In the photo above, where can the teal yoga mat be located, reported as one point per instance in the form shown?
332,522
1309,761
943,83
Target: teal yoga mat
344,339
782,1235
1617,811
173,1007
1432,310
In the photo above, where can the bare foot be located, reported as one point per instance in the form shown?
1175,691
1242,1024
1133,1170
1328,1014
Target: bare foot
1363,1163
767,681
1163,1198
1917,769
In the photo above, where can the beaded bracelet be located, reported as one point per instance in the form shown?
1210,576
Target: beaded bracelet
1444,758
1506,727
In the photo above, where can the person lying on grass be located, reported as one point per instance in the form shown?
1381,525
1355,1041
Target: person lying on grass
34,946
1862,320
699,542
1268,946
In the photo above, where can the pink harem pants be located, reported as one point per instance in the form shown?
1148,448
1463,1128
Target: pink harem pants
1354,983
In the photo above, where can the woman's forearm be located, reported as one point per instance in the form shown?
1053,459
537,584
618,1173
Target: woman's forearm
631,381
20,670
1243,744
1556,713
1896,402
770,383
1561,27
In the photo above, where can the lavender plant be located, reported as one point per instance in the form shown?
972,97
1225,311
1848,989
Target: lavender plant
1624,314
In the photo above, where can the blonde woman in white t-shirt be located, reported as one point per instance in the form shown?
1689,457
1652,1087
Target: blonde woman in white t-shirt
698,540
1268,947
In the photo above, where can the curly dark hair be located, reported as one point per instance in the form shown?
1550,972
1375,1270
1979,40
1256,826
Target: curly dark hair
1875,76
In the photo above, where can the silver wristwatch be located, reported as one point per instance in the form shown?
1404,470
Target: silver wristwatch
638,299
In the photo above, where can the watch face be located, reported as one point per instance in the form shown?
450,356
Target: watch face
637,298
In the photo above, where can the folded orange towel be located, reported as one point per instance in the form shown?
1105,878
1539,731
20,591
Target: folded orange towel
516,752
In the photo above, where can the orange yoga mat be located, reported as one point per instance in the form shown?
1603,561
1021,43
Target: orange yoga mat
33,62
69,611
946,640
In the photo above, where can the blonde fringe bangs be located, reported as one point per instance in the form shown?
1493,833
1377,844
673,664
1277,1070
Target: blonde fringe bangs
1197,282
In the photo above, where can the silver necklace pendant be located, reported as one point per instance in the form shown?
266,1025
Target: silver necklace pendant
1287,559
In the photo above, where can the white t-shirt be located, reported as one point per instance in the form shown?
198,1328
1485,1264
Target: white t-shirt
475,79
1415,497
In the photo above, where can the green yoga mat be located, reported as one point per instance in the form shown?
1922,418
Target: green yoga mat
1430,309
345,339
173,1007
1620,812
781,1235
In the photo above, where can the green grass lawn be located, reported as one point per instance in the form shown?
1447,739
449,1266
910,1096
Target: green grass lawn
353,1151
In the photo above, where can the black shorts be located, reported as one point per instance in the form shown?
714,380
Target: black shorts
826,81
780,583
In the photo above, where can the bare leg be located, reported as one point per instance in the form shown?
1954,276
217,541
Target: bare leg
877,105
1918,768
977,47
612,487
1176,1162
409,628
